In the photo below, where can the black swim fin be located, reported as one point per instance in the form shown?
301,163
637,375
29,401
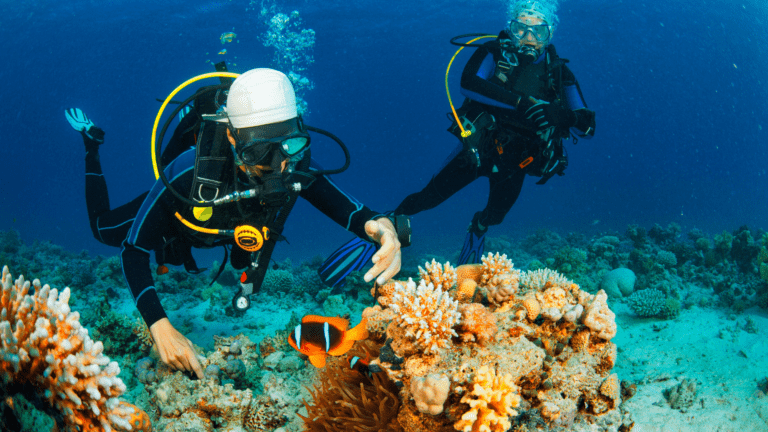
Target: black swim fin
352,256
472,251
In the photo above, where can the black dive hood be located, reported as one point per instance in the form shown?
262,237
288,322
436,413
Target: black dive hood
274,185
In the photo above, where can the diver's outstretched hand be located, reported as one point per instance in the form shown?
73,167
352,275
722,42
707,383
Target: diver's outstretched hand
386,261
81,123
174,348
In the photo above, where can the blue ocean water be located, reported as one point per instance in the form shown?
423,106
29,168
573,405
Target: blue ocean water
678,87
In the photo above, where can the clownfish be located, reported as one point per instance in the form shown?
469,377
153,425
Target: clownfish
319,336
360,365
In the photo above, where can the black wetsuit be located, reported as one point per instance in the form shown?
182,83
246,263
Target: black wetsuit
148,223
501,147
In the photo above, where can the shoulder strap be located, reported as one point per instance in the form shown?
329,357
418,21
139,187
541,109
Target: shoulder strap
212,157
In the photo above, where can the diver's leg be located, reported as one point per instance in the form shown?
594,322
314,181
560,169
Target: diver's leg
504,191
451,178
108,226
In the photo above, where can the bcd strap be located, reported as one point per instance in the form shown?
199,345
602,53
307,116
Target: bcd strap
211,160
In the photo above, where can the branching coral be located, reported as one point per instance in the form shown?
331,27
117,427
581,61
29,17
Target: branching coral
45,350
494,265
426,313
492,400
538,279
443,277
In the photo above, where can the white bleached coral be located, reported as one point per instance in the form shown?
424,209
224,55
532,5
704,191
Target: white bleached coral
46,352
427,314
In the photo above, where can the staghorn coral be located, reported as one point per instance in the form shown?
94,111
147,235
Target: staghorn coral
492,400
45,350
427,314
443,277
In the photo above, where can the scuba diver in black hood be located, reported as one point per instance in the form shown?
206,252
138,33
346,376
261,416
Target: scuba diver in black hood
521,102
235,174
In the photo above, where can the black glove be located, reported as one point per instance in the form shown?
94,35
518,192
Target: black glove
545,115
95,133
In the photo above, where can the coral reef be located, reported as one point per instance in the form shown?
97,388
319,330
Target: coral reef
49,357
500,358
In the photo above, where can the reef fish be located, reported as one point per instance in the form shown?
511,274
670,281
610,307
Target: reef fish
222,52
227,37
319,336
361,365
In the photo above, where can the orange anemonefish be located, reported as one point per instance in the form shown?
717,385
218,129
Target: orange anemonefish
319,336
360,365
161,270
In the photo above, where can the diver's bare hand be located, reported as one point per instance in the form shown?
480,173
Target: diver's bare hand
175,349
386,261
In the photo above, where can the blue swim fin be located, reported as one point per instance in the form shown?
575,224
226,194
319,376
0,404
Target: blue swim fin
472,251
352,256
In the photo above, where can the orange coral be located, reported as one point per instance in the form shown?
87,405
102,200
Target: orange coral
494,265
492,400
580,340
427,314
138,419
45,350
443,277
466,290
383,293
532,307
477,323
469,271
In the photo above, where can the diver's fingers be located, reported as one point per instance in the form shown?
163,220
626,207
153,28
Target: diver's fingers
194,363
391,271
383,232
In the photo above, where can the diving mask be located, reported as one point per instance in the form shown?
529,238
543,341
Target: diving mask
256,151
520,30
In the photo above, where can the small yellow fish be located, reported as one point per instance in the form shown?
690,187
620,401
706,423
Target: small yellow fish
227,37
222,52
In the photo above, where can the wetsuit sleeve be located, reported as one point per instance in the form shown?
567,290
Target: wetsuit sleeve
585,118
154,224
475,82
341,207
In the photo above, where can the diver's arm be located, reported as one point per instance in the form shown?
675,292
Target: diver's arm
341,207
152,226
585,118
365,223
475,82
